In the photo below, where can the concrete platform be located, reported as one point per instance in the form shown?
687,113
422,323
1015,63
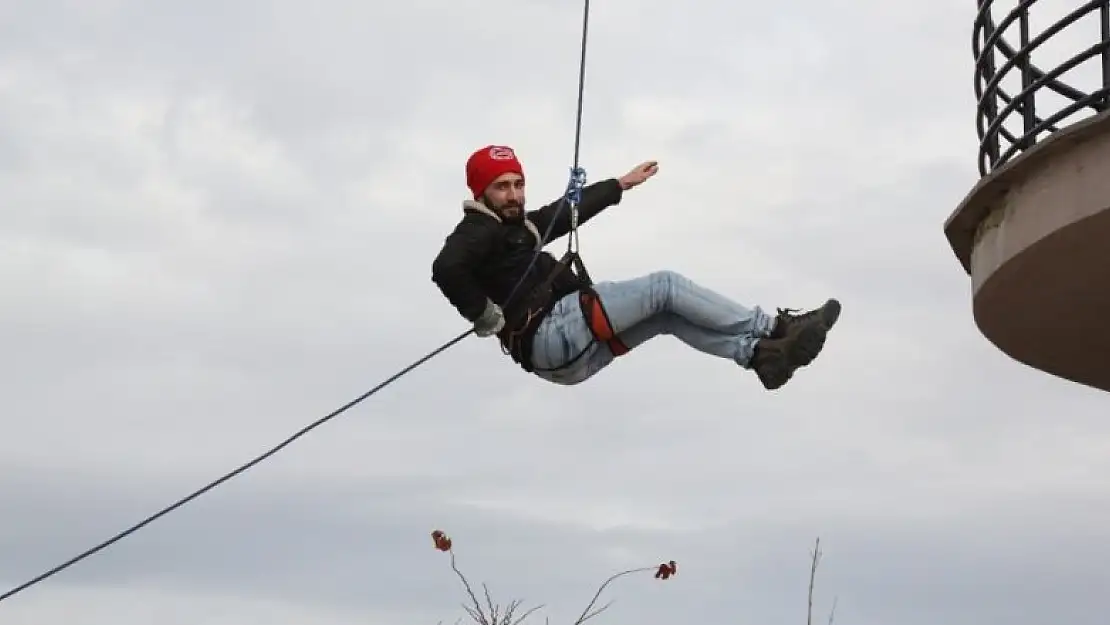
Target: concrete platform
1034,235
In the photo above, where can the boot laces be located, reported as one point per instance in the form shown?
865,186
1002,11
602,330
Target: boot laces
790,313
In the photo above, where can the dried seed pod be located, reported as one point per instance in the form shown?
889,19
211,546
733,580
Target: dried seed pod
441,540
666,570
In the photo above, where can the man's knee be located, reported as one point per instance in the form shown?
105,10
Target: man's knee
666,276
664,284
668,280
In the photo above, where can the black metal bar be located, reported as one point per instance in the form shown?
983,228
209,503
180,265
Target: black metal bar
1028,103
1063,113
1104,18
1024,53
994,106
1094,103
984,69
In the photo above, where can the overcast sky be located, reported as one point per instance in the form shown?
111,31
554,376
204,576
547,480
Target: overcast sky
218,221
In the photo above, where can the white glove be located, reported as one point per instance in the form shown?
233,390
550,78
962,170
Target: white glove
491,322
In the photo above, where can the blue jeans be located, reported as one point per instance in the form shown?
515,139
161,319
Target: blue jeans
663,302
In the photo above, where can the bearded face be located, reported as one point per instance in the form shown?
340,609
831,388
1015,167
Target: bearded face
505,196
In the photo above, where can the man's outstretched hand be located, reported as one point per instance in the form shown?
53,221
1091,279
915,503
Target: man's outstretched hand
639,174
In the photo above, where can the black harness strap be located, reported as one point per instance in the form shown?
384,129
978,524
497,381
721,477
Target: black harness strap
590,304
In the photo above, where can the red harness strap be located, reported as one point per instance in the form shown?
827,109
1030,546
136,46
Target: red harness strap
599,323
592,310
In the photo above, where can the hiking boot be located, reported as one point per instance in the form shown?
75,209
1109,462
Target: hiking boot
795,342
775,360
771,363
787,322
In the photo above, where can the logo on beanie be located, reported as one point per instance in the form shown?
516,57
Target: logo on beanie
501,153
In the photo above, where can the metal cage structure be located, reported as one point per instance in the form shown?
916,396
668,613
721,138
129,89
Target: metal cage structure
995,106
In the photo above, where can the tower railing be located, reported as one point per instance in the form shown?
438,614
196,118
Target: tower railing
997,144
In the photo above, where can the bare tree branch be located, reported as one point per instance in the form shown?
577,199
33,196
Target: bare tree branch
477,614
812,576
507,615
489,602
529,613
586,614
596,612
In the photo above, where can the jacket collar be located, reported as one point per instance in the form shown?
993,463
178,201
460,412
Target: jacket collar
478,207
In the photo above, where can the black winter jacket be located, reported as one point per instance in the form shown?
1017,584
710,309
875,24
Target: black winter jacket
483,258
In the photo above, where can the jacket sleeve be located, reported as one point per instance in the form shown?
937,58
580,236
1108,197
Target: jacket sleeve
454,268
595,198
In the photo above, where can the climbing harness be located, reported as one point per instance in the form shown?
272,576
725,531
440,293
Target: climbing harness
577,179
542,297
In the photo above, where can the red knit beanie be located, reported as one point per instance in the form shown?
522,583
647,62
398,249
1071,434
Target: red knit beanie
486,164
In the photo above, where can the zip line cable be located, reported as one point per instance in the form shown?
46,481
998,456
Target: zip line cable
577,174
571,197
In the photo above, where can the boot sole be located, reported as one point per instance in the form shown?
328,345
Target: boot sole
800,351
778,377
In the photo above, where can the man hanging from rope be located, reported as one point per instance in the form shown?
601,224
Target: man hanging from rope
562,327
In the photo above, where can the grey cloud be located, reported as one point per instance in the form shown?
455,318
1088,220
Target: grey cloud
368,548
